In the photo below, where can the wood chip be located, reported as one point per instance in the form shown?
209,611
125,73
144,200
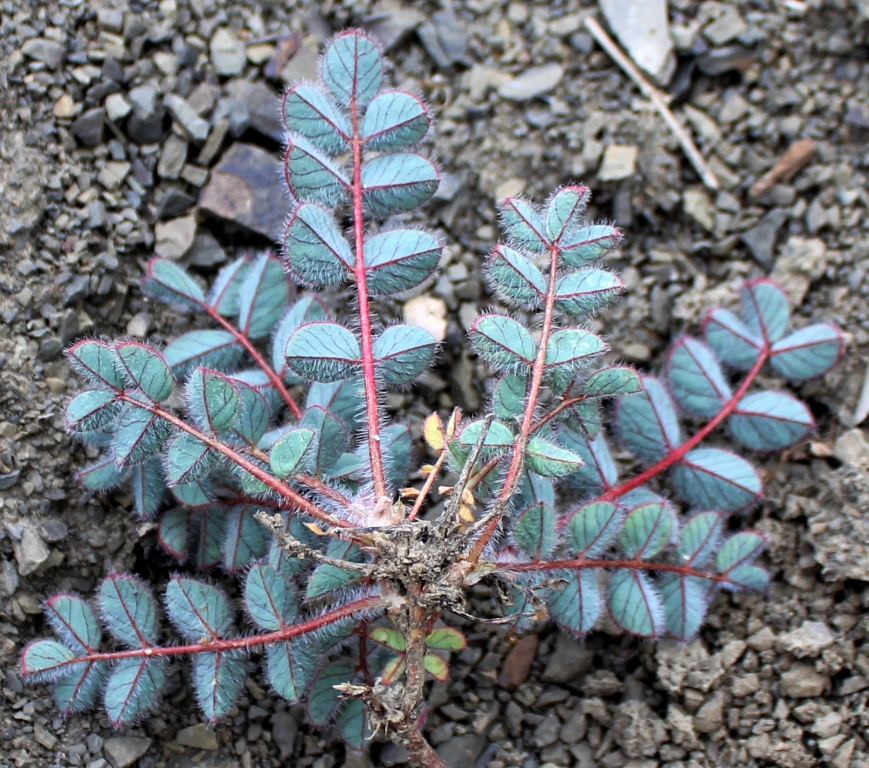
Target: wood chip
789,165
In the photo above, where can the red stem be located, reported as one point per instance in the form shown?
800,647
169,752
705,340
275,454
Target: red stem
308,507
242,339
581,563
368,373
676,456
238,643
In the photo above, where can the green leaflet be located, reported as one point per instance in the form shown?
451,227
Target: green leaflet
399,259
577,605
586,290
323,351
288,454
98,362
647,530
612,382
262,297
508,398
308,110
187,459
314,248
213,400
352,68
330,438
397,183
498,436
395,120
168,282
504,343
524,225
516,278
593,527
564,211
223,295
145,369
402,353
550,460
311,176
534,531
569,350
581,246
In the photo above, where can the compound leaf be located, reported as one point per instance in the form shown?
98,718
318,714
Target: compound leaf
739,549
263,297
245,540
129,610
396,183
700,538
215,349
98,362
770,421
323,351
289,453
323,699
146,369
148,488
710,478
90,411
534,531
315,251
45,659
187,459
568,351
310,176
565,209
808,352
524,225
504,343
683,599
593,527
352,68
399,259
309,111
577,606
648,423
218,678
647,530
330,440
213,400
516,278
498,437
550,460
166,281
634,603
446,639
173,532
223,296
306,310
612,382
268,597
696,379
581,246
731,339
586,290
747,577
211,528
198,609
395,120
765,309
508,397
139,435
134,688
103,475
403,352
598,471
288,669
80,690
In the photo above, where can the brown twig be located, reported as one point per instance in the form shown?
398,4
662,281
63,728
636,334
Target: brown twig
789,165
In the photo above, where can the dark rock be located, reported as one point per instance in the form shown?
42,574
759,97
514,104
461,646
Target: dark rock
245,188
98,93
49,349
206,251
88,129
173,203
445,39
77,289
569,660
395,25
263,107
9,479
760,239
720,60
462,750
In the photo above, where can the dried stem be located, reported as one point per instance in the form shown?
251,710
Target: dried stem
634,565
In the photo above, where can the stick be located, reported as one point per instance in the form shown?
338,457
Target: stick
658,99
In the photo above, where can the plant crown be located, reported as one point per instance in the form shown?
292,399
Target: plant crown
344,579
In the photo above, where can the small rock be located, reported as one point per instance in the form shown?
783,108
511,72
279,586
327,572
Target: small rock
734,108
112,175
30,551
547,732
43,737
808,641
429,313
619,162
710,716
172,158
259,53
462,750
396,25
532,83
852,447
263,106
509,188
304,66
696,204
801,261
638,730
198,736
728,26
245,188
570,659
49,52
206,251
284,732
117,107
88,129
227,53
124,751
642,27
517,665
760,239
174,237
76,289
802,681
745,685
64,107
826,726
140,325
193,126
49,349
445,38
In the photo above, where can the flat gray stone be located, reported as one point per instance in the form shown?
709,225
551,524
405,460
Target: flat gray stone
569,660
88,129
462,750
246,188
30,551
49,52
124,751
761,238
263,107
198,736
642,28
194,127
227,53
174,237
532,83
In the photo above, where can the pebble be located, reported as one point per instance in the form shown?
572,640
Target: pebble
727,27
140,325
462,750
124,751
64,107
761,238
174,237
198,736
801,261
30,551
710,716
852,447
697,205
619,162
517,665
532,83
429,313
88,129
570,659
49,52
227,53
117,107
193,126
172,158
263,107
810,639
284,732
642,27
246,188
802,681
444,38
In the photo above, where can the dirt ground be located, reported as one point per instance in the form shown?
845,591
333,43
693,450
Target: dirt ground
95,178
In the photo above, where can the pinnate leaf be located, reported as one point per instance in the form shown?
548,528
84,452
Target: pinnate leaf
550,460
396,183
711,478
168,282
198,609
504,343
213,400
765,309
394,120
352,68
534,531
311,176
564,211
524,225
516,278
770,421
696,379
593,527
612,382
586,290
134,688
315,251
399,259
263,297
808,352
731,339
577,605
98,362
129,610
648,422
647,530
403,352
634,603
309,111
323,351
579,247
288,455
